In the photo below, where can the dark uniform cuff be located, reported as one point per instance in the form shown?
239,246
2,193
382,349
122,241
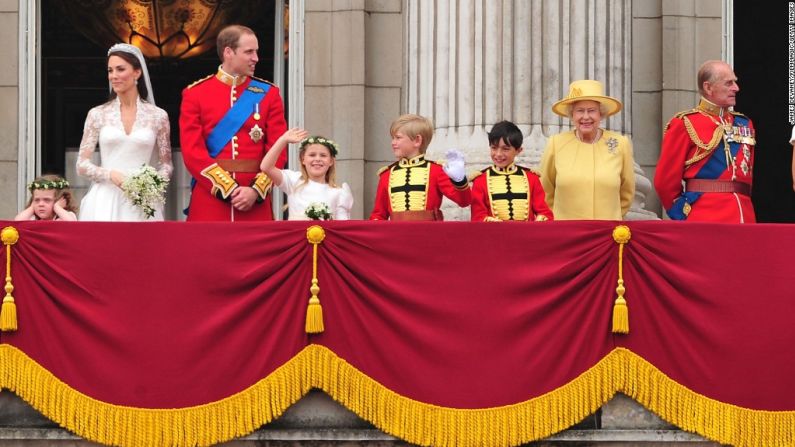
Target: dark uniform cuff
463,184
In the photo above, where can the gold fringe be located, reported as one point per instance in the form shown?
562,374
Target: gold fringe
416,422
690,411
201,425
425,424
542,416
8,311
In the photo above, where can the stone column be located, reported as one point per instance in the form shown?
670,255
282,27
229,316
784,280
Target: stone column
352,81
470,64
10,111
692,33
334,84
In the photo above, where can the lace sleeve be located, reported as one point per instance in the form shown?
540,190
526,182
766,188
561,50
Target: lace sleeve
163,145
87,147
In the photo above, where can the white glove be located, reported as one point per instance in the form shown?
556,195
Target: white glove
455,167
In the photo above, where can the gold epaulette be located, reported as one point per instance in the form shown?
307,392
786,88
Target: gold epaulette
386,168
473,175
200,80
685,112
738,114
533,170
679,115
264,80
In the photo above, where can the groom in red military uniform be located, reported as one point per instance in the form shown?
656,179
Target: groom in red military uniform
227,122
711,149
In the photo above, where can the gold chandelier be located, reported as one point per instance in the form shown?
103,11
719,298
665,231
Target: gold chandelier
162,29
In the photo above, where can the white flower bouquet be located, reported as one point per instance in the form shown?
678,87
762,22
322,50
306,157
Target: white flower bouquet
318,211
145,188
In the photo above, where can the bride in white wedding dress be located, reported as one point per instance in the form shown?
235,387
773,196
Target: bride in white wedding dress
128,128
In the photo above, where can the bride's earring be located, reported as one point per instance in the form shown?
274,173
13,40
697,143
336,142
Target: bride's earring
136,81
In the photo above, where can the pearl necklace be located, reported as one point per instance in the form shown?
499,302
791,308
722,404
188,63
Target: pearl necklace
593,142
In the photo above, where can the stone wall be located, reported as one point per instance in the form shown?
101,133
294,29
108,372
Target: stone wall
673,39
353,77
9,107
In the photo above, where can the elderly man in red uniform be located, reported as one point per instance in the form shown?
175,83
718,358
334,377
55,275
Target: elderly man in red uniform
706,164
227,122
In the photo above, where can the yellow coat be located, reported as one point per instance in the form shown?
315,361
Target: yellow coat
588,181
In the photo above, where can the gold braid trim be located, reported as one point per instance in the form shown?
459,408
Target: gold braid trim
202,425
194,83
704,149
416,422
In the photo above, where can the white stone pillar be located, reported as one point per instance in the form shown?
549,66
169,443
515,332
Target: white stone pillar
471,64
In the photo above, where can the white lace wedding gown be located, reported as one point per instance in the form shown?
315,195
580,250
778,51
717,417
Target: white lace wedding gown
122,152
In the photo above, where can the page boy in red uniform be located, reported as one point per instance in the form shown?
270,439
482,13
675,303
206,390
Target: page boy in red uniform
412,187
506,191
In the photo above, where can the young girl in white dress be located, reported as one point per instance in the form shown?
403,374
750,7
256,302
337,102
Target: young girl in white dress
315,183
128,128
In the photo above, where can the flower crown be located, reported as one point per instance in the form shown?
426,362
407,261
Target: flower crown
330,144
48,184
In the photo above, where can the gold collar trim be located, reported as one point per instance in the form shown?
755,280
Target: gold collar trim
228,79
713,109
411,162
508,170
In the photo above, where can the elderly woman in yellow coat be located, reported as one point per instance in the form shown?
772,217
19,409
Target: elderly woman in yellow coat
588,172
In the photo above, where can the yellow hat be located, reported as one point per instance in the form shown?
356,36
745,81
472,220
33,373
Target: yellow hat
587,90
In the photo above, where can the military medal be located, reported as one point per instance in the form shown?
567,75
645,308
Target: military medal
256,112
255,133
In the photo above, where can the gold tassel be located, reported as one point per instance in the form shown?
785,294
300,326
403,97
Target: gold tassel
8,312
620,316
314,311
621,235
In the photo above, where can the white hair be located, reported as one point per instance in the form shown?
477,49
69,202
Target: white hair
570,107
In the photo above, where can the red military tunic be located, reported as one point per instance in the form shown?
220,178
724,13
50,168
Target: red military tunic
511,193
416,184
709,155
204,103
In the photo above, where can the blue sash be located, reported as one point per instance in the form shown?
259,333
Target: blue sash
232,121
228,126
712,170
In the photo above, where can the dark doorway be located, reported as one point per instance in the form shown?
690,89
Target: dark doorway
73,80
761,64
